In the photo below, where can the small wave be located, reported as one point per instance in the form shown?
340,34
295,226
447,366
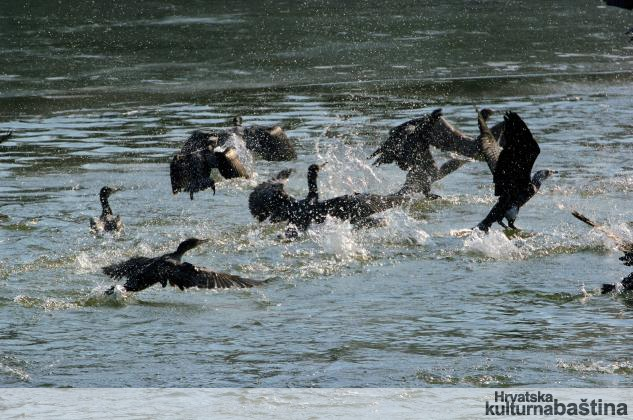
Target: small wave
48,304
598,366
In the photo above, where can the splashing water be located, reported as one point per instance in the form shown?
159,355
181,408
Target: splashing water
493,245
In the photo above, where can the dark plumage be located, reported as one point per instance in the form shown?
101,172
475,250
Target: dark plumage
271,143
5,137
511,168
408,146
190,170
626,247
270,201
107,222
143,272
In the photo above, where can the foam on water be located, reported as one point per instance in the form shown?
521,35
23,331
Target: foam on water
494,244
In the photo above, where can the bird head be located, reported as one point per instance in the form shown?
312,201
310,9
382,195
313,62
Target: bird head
108,191
542,175
486,113
237,121
189,244
314,168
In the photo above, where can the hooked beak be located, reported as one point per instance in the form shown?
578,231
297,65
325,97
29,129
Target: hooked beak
322,165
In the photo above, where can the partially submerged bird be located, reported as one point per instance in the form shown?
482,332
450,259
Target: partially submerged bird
511,168
269,200
6,136
622,245
408,146
107,222
143,272
271,143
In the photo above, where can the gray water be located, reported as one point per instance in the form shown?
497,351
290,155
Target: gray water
105,94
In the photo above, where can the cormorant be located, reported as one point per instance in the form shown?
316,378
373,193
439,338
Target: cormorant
511,168
143,272
269,200
626,247
444,136
6,136
408,146
271,143
190,170
107,222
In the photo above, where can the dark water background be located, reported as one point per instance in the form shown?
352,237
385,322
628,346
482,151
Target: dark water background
105,92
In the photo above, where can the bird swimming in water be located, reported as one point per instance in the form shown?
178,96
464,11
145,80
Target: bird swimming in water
511,168
107,222
622,245
6,136
143,272
269,200
408,146
270,143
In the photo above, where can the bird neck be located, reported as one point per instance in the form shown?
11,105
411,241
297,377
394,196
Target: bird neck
313,189
107,211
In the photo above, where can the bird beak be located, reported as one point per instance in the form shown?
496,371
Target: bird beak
202,241
322,165
116,190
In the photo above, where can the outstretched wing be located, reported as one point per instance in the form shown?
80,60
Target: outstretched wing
192,172
129,269
188,275
269,200
406,142
489,146
513,169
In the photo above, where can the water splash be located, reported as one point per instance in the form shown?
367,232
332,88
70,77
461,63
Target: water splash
494,244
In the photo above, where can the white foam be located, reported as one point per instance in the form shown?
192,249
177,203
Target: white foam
493,244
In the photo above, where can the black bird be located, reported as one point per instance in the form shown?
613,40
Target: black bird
271,143
626,247
269,200
190,170
511,168
408,146
143,272
107,222
6,136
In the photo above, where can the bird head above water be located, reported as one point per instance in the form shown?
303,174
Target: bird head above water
314,168
486,113
542,175
237,121
108,191
188,245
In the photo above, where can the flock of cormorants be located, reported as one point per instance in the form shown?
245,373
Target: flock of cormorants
508,148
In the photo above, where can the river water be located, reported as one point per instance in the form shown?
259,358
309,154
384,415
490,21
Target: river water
104,93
